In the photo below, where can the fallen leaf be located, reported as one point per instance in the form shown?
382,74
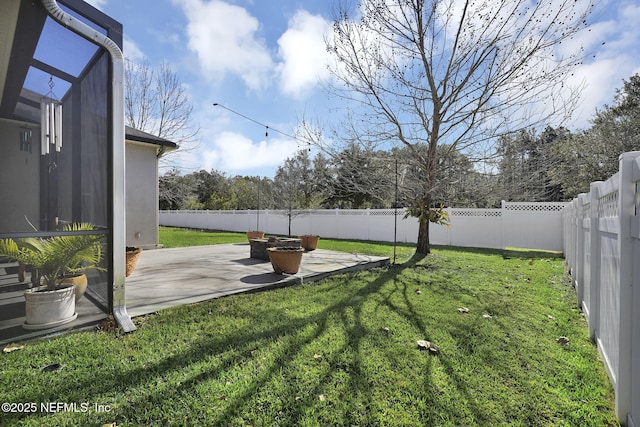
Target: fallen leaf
52,367
563,340
317,356
12,347
463,310
321,398
428,345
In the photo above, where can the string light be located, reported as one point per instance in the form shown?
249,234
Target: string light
262,124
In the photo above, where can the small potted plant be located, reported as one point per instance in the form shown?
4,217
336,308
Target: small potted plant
53,302
285,259
131,259
255,235
309,242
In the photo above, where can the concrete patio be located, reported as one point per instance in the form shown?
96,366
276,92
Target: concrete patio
167,278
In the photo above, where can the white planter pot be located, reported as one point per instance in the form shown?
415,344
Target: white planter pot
47,309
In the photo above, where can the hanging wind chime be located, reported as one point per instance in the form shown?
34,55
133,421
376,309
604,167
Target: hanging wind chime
50,121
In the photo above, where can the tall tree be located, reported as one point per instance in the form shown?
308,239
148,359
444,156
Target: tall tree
157,102
526,160
363,178
581,162
323,178
174,190
458,184
294,188
207,184
428,72
592,155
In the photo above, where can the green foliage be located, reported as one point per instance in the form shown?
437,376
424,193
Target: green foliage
593,154
355,178
55,256
240,193
363,178
526,161
174,190
293,185
435,215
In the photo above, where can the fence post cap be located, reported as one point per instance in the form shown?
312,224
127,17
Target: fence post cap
629,155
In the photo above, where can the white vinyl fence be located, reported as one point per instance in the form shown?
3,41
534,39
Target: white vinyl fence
523,225
601,237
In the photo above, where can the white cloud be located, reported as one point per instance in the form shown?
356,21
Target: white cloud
600,88
304,54
611,62
226,39
98,4
232,151
131,50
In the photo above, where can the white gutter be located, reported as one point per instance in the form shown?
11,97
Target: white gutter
118,171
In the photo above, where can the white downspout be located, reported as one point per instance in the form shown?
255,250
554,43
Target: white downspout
118,171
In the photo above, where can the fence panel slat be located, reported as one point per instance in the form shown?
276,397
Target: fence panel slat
603,257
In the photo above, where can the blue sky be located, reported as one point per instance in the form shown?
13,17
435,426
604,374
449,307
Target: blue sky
265,59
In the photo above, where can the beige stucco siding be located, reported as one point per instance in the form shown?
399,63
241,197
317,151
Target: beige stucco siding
142,194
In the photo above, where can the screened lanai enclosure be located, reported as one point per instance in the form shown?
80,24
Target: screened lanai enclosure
58,160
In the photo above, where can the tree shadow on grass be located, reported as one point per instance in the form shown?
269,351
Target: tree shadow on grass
408,309
227,352
212,357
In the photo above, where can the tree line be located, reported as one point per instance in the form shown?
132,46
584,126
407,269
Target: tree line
554,164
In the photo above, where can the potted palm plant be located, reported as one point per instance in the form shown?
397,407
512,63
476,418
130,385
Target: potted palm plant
53,302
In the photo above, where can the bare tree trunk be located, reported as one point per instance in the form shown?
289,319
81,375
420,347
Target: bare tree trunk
423,214
422,247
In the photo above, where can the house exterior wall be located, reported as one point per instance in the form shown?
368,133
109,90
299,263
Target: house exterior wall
20,179
142,195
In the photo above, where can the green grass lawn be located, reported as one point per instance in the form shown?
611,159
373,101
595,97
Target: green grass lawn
172,237
340,352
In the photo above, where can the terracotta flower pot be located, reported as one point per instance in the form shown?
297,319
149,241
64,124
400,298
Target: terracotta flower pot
132,259
79,282
309,242
285,260
255,235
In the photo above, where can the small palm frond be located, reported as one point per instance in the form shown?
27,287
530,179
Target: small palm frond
9,248
57,255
